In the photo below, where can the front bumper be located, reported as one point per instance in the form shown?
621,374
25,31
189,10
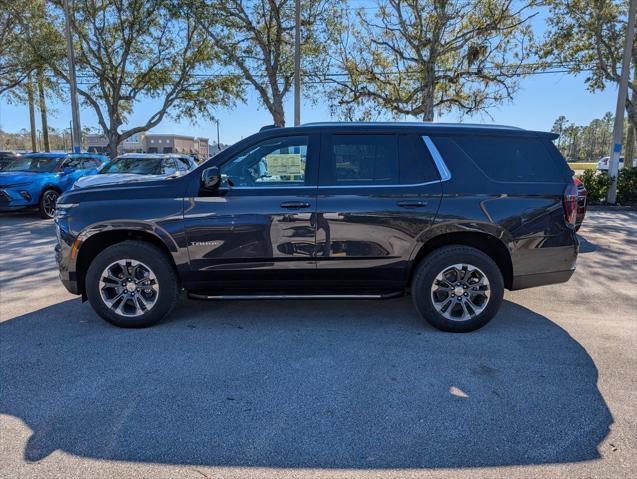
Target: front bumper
68,277
14,199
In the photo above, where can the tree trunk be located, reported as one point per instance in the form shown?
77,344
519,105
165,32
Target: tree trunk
113,144
278,115
34,144
43,112
428,83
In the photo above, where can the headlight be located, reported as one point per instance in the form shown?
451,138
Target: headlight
66,206
62,210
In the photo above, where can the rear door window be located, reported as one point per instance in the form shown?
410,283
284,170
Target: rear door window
416,164
74,162
360,160
512,159
91,163
376,160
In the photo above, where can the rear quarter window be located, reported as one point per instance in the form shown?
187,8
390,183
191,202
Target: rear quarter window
514,159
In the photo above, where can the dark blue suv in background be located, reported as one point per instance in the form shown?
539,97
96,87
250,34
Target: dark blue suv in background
38,179
450,214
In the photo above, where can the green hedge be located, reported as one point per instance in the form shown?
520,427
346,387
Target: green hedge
597,186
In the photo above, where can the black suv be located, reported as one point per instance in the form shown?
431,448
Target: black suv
451,214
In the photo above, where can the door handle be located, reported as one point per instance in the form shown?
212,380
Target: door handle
412,204
293,205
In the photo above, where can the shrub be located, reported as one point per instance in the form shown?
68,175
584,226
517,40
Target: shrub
597,184
627,186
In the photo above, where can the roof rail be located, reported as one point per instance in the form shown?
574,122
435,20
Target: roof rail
412,124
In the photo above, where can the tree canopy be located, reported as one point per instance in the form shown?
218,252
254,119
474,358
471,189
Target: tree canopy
587,37
256,38
129,51
421,57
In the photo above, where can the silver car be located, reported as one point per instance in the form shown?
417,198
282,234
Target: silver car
132,167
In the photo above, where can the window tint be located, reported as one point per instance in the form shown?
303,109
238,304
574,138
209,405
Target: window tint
511,158
416,164
362,160
73,162
274,162
168,166
33,163
140,166
90,163
183,165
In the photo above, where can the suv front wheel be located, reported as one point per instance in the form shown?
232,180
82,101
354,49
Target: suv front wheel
132,284
457,288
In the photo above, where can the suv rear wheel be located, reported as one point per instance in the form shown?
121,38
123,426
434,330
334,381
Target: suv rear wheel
457,288
132,284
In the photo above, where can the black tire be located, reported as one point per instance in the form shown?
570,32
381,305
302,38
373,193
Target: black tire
151,257
44,207
443,259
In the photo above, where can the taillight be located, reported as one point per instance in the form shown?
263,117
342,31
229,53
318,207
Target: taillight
569,201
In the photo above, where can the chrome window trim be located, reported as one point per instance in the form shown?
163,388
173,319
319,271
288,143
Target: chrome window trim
443,170
410,185
278,187
445,174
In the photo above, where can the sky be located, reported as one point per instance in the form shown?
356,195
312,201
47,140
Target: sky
540,100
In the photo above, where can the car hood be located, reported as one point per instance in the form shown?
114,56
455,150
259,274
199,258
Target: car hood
8,178
114,178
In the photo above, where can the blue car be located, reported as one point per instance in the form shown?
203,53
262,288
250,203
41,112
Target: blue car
38,179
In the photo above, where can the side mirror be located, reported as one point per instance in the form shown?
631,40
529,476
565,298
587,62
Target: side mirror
68,170
211,177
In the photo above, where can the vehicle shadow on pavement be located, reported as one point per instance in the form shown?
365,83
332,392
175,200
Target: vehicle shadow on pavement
302,384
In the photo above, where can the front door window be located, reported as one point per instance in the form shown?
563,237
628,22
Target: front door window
274,162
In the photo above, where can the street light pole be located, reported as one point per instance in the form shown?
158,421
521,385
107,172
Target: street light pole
75,111
297,64
618,132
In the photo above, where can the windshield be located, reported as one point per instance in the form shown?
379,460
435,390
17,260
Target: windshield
5,162
139,166
36,164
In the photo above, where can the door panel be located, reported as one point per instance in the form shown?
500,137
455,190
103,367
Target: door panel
258,226
368,222
370,236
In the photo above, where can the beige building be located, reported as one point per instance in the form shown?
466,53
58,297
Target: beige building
176,144
153,143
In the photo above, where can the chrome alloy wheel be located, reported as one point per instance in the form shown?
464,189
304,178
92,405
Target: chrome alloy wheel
460,292
129,287
48,202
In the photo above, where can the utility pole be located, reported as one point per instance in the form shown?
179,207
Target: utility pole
297,64
218,144
618,132
77,131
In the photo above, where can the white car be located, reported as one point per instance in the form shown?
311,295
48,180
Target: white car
139,167
602,165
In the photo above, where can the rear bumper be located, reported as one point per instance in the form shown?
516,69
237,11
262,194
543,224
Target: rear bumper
541,279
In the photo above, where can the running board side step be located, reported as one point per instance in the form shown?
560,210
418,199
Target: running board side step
295,296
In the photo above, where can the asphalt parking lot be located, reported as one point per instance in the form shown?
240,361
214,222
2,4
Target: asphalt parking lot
324,389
